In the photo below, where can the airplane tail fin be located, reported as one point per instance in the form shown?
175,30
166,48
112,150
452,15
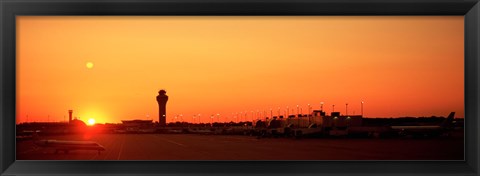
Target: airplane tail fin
449,120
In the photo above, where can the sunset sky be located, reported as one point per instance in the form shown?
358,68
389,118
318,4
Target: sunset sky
111,68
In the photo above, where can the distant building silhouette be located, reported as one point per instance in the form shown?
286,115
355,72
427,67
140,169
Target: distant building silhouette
136,122
78,123
162,99
137,126
70,116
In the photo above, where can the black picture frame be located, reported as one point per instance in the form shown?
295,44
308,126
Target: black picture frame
9,9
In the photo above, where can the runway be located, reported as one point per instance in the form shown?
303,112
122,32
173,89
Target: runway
236,147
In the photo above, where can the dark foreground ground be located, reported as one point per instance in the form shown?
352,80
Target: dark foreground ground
223,147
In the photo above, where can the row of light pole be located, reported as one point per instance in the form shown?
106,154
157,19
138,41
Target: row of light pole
346,108
238,116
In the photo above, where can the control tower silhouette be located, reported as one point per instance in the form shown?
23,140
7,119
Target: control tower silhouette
162,99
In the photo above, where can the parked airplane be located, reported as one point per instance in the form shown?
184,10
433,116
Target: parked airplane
66,146
423,130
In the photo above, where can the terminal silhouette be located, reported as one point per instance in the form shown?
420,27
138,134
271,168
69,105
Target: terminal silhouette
162,99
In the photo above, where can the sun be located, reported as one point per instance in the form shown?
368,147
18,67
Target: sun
91,122
89,65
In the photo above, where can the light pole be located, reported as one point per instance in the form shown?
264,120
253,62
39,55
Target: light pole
309,112
321,106
218,117
245,116
346,108
298,117
278,112
271,113
362,108
288,111
297,111
211,120
333,109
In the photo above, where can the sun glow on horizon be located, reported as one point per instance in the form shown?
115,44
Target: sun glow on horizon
91,122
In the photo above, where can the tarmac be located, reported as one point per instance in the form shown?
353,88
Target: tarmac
237,147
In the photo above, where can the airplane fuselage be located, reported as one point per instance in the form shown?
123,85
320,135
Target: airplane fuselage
67,146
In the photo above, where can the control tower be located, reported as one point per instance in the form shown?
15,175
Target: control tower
162,99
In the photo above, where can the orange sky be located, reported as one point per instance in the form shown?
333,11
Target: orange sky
399,66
